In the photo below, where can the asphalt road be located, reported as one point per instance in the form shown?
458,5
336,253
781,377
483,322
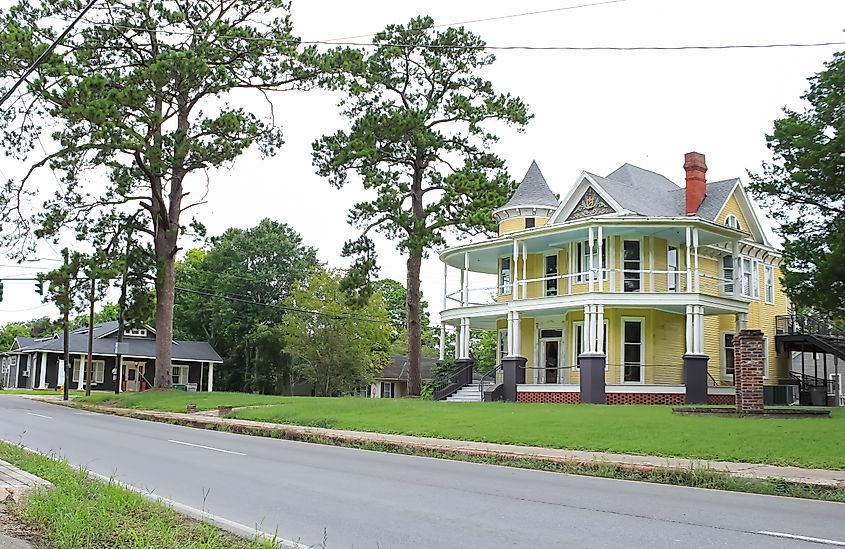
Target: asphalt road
365,499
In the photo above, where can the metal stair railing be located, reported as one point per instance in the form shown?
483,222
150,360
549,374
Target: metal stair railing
807,325
489,374
453,383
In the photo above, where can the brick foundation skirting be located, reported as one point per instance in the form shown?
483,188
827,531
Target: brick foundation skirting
673,399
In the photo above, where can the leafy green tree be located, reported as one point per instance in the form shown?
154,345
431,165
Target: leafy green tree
483,346
804,190
107,313
419,141
337,347
9,332
233,296
42,327
141,95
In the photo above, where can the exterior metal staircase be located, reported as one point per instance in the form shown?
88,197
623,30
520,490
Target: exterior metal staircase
809,334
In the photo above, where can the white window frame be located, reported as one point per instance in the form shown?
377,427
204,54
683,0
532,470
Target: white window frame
749,267
676,276
98,375
135,332
578,340
769,284
557,275
505,285
728,281
501,345
581,256
765,357
184,370
622,322
390,384
724,351
640,261
732,221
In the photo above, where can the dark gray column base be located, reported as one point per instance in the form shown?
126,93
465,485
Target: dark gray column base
695,378
513,370
592,378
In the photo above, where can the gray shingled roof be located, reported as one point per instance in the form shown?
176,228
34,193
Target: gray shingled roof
138,347
533,191
647,193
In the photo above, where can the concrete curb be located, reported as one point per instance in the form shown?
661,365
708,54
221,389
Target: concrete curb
816,477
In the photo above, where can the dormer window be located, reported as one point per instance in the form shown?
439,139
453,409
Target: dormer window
733,222
136,332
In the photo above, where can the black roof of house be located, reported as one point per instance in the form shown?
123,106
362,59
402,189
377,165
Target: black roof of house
398,369
105,337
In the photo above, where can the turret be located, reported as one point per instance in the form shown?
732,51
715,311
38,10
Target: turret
531,205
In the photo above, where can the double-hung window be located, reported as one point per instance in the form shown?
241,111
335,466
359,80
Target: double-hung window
505,275
749,277
769,282
502,351
631,263
582,260
179,374
98,373
729,354
551,275
728,274
387,389
674,267
632,351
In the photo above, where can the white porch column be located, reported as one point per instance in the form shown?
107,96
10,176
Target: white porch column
514,264
599,328
651,264
466,279
463,292
466,339
611,262
442,340
517,335
699,329
42,375
741,322
600,238
82,368
589,328
525,270
210,377
690,329
737,281
457,343
510,334
695,259
688,265
445,284
590,275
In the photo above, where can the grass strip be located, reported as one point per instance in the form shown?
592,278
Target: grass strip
639,430
694,478
83,512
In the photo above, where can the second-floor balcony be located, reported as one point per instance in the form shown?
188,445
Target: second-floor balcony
653,261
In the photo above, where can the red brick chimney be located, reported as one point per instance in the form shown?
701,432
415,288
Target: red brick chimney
696,182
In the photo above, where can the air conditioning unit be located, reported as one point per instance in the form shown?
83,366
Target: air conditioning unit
792,395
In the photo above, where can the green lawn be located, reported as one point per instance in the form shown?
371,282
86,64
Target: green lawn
81,512
47,392
645,430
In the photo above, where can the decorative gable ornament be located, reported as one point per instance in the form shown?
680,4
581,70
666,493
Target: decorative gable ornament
591,204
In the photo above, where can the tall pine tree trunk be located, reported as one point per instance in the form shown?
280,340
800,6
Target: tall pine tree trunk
165,244
412,307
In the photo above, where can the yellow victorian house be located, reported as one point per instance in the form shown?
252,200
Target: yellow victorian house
628,289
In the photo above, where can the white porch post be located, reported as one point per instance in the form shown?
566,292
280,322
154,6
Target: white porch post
688,266
457,343
736,270
589,328
651,264
699,330
42,376
517,335
463,292
82,368
690,328
466,278
599,328
741,322
210,377
525,270
611,262
445,284
590,275
515,263
510,333
466,339
695,261
442,340
600,238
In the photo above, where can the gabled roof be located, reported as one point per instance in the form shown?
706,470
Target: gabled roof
398,368
533,191
200,351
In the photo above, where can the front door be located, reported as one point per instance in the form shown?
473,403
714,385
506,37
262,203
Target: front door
132,372
550,359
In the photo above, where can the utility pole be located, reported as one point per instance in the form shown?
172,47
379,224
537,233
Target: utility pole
121,316
89,366
66,325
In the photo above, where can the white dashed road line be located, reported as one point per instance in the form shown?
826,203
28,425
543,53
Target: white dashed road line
207,447
39,415
823,541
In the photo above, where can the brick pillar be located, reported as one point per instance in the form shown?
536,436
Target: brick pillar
748,371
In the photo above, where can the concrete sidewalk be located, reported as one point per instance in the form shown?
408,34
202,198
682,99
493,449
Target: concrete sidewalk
818,477
15,482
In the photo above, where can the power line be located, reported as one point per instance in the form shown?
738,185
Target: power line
40,59
496,18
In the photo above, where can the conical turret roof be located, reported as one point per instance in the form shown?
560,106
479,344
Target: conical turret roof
532,192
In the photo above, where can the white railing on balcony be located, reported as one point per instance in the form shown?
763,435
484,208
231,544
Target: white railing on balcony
615,281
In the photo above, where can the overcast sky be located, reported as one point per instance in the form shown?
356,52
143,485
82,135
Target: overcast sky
592,110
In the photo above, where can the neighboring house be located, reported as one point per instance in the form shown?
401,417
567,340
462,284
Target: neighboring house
34,363
393,380
631,270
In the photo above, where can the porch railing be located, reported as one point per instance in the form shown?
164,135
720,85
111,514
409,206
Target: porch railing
458,379
806,325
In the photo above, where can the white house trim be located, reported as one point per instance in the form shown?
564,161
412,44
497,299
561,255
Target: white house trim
574,195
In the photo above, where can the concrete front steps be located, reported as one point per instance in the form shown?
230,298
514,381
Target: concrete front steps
469,393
